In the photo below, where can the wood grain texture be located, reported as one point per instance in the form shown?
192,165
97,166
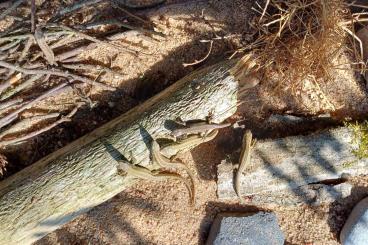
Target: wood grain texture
72,180
288,167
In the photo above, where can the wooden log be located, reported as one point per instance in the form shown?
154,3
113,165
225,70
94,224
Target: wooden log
72,180
292,170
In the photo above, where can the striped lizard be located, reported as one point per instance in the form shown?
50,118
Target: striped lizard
201,128
127,169
248,144
165,162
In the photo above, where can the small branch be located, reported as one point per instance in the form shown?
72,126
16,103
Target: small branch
14,115
135,6
10,103
10,9
15,37
47,51
66,118
92,68
3,57
8,83
29,82
93,39
27,123
264,10
72,8
116,4
75,52
26,48
201,60
9,45
33,16
55,73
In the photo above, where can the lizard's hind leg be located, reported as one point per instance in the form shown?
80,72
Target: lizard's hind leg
165,162
176,176
135,171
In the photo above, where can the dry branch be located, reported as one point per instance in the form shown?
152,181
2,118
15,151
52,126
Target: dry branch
11,9
12,91
14,115
55,73
27,123
72,8
17,140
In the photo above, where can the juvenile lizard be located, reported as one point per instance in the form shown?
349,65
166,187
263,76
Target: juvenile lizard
127,169
165,162
201,128
247,144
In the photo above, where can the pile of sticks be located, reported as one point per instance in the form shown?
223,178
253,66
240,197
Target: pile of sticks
34,52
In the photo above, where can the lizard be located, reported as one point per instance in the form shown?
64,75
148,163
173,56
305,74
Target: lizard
201,128
187,144
126,169
165,162
248,144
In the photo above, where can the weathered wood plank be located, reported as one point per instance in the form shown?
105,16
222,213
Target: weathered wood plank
286,167
81,175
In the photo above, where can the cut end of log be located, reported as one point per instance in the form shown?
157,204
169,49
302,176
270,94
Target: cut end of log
246,72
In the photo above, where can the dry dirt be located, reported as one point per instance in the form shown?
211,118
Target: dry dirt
158,212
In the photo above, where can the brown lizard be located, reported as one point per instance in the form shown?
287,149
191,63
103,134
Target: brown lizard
165,162
187,144
135,171
247,144
201,128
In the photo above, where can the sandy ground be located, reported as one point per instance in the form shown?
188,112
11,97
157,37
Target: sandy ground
158,212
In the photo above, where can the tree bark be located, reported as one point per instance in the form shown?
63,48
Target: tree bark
72,180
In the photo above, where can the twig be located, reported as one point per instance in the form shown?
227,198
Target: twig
72,8
264,10
135,6
9,45
127,34
66,118
15,37
11,9
14,79
358,5
64,41
91,68
119,24
14,115
26,48
33,65
117,5
201,60
40,39
3,57
26,123
55,73
10,103
33,16
29,82
5,4
356,38
93,39
75,52
49,36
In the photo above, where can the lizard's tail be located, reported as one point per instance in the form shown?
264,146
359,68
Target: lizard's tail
177,176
